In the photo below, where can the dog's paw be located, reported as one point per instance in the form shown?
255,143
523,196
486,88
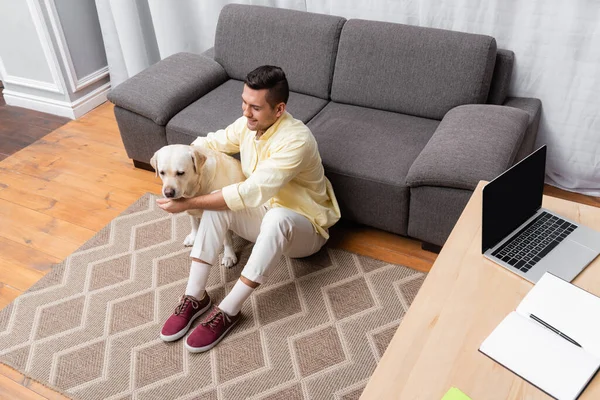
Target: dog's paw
229,261
189,240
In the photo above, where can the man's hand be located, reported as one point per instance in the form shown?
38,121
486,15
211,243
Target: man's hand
213,201
174,206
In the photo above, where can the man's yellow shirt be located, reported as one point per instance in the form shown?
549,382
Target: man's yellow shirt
283,168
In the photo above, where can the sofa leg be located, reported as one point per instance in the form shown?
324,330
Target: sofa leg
143,165
434,248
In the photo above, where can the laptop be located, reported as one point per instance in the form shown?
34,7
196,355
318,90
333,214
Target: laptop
525,238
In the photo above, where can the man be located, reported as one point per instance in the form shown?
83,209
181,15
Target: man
285,206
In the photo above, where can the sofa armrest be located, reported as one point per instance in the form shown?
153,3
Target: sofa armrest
165,88
472,143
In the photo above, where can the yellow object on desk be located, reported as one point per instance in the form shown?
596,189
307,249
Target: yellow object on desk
455,394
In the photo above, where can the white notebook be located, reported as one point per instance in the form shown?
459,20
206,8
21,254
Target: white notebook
540,355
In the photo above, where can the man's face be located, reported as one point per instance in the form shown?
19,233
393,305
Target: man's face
258,111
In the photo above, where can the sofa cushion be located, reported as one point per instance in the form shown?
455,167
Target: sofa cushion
303,44
413,70
210,53
505,60
533,108
165,88
472,143
367,154
222,106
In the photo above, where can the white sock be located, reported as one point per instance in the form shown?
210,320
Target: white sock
232,303
197,281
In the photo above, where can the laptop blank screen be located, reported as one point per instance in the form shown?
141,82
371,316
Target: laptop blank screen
512,198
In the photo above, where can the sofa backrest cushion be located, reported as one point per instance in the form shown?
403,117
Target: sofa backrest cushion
505,60
303,44
413,70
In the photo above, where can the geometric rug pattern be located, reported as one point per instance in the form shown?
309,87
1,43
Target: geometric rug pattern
89,329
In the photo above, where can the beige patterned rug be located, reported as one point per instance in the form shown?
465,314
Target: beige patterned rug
89,329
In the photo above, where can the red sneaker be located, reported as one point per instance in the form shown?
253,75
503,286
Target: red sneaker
211,330
186,312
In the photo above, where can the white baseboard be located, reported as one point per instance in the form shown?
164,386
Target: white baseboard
90,101
37,103
67,109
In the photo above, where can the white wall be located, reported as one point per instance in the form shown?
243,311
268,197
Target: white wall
52,56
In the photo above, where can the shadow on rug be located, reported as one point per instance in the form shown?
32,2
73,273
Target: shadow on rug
89,329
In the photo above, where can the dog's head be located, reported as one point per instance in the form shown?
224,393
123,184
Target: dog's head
179,167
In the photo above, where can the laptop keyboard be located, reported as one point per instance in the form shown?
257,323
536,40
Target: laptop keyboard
534,241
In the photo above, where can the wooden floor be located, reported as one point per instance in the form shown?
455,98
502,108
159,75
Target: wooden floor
59,191
20,127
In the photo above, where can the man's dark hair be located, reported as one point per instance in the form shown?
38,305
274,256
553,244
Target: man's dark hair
271,78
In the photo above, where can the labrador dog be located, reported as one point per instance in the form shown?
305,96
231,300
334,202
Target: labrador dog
190,171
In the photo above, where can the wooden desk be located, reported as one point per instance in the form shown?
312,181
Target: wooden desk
464,297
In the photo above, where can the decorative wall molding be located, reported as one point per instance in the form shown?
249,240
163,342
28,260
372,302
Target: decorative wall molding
67,109
58,84
31,83
61,41
91,78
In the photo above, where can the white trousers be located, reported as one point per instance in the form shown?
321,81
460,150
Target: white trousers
275,232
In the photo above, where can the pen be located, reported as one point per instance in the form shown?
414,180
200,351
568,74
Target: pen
553,329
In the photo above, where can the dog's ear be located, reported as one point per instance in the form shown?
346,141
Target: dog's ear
198,158
154,162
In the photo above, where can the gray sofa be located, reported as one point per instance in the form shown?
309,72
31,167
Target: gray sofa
408,119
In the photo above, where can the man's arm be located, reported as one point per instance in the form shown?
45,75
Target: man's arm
213,201
225,140
269,176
